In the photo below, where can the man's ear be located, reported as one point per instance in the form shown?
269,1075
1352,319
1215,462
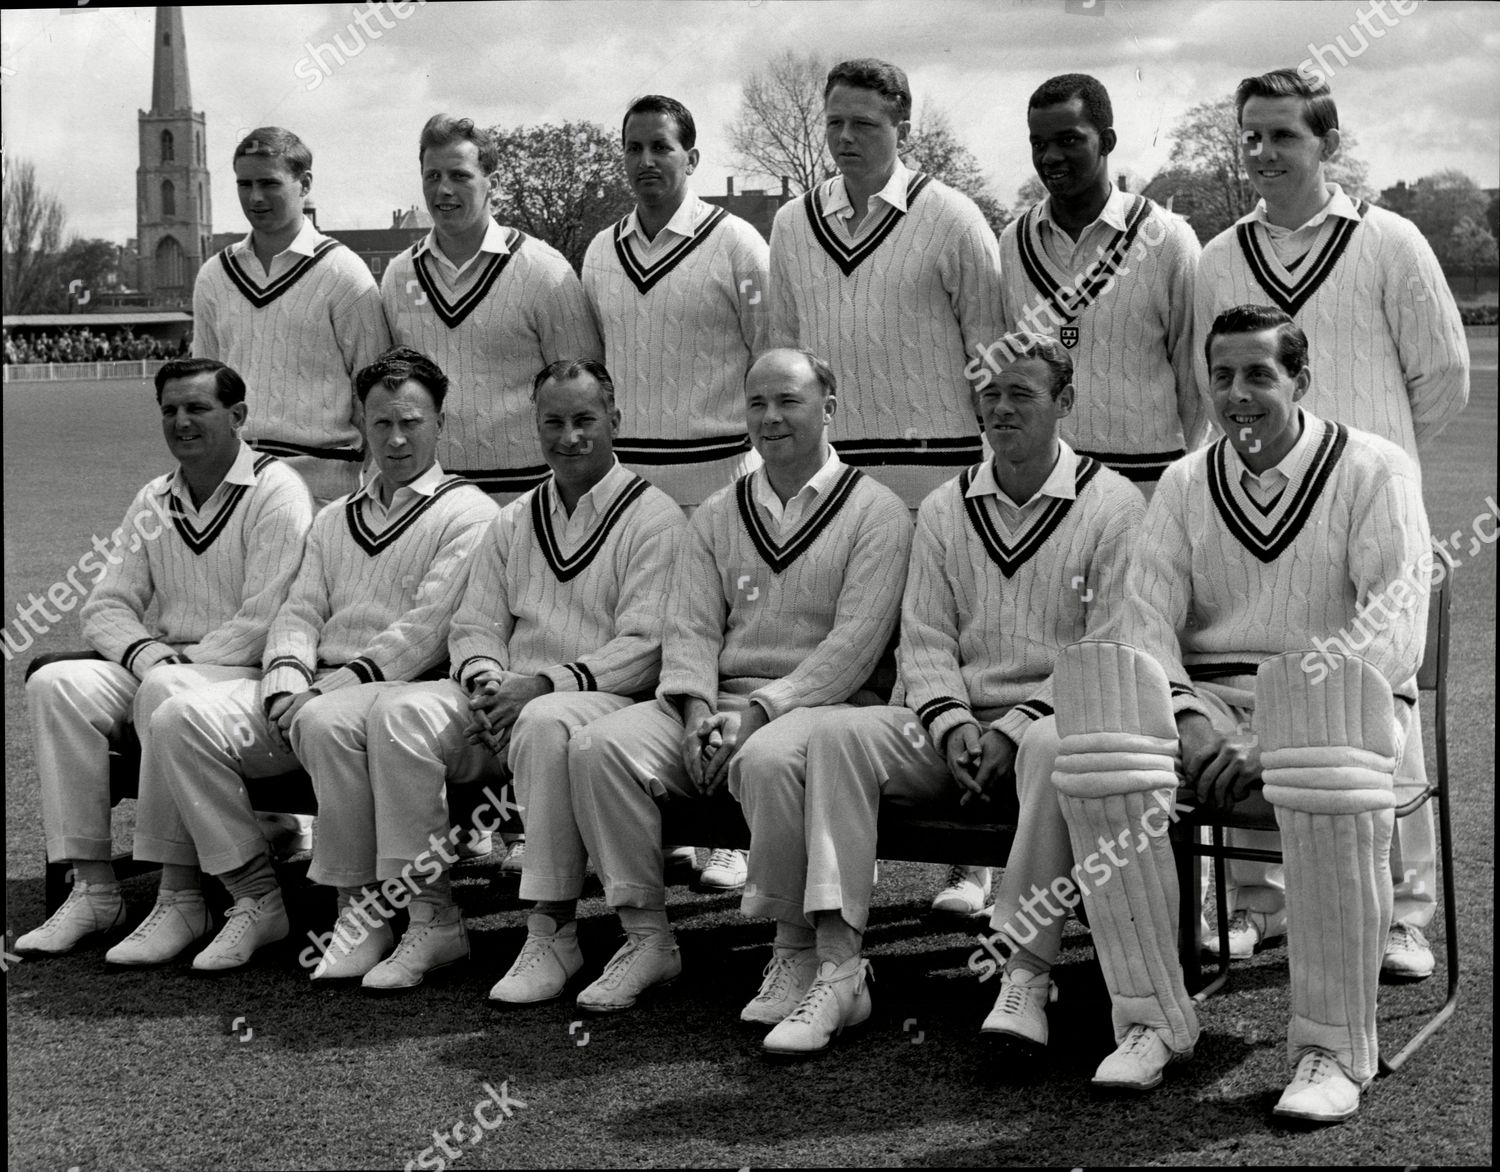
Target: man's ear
239,411
1331,141
830,407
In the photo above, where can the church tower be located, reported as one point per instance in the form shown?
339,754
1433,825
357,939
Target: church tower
173,219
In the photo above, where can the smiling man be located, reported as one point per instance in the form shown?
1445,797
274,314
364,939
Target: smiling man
785,592
213,548
370,608
296,313
892,276
1274,540
560,624
491,304
1389,357
1013,559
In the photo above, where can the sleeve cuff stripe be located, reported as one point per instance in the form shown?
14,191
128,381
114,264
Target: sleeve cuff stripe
366,670
292,662
133,650
930,711
586,680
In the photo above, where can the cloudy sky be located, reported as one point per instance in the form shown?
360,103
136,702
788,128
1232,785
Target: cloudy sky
1424,95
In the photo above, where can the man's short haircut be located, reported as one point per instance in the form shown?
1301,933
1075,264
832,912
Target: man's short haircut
272,142
1318,109
1021,344
443,130
567,369
687,129
1291,342
400,365
868,73
822,372
228,385
1089,90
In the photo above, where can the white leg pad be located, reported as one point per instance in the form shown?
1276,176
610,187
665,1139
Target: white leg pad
1116,776
1328,755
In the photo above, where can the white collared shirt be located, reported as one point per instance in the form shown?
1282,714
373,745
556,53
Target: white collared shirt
839,211
1292,243
303,244
591,505
493,242
787,517
1061,484
685,220
424,485
242,471
1062,248
1264,487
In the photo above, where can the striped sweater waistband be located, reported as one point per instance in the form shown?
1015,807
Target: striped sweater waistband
952,451
681,451
1137,466
283,448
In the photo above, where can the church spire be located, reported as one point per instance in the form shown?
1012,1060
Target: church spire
169,89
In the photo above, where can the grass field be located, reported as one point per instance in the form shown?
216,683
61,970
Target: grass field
261,1070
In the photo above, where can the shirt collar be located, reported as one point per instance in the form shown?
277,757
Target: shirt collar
1113,213
684,220
1338,204
599,496
1061,482
305,243
424,485
494,241
242,471
819,483
893,193
1290,466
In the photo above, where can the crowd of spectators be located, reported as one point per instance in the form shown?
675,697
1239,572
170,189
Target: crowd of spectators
81,344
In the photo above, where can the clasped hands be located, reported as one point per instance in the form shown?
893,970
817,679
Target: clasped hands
979,760
1222,768
711,739
495,700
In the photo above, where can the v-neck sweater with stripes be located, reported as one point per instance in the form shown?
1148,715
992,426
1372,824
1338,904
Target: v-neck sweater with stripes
588,617
1385,341
509,315
297,341
986,611
1219,584
792,621
679,333
897,313
1128,326
217,583
376,603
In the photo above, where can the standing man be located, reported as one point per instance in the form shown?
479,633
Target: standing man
490,304
1013,559
560,625
370,608
296,313
893,278
786,591
1389,357
1290,532
1110,275
214,547
679,290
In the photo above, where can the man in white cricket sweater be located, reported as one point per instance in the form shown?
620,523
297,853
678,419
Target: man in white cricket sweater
1389,357
560,624
679,290
296,313
1013,559
214,546
491,305
1288,533
893,277
370,608
786,591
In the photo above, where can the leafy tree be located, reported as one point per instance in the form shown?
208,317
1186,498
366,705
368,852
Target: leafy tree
1441,201
1470,243
563,183
779,130
1030,192
33,230
95,264
933,147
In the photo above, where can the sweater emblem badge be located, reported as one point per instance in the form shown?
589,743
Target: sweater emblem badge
1068,335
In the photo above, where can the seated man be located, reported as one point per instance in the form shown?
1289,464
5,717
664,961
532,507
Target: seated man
1288,533
370,608
784,595
1013,559
214,545
560,624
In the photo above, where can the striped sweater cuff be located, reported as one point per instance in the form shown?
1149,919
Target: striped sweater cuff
476,664
286,673
571,677
1020,718
1185,699
145,654
941,715
361,670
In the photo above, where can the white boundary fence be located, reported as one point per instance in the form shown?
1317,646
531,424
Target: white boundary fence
51,372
